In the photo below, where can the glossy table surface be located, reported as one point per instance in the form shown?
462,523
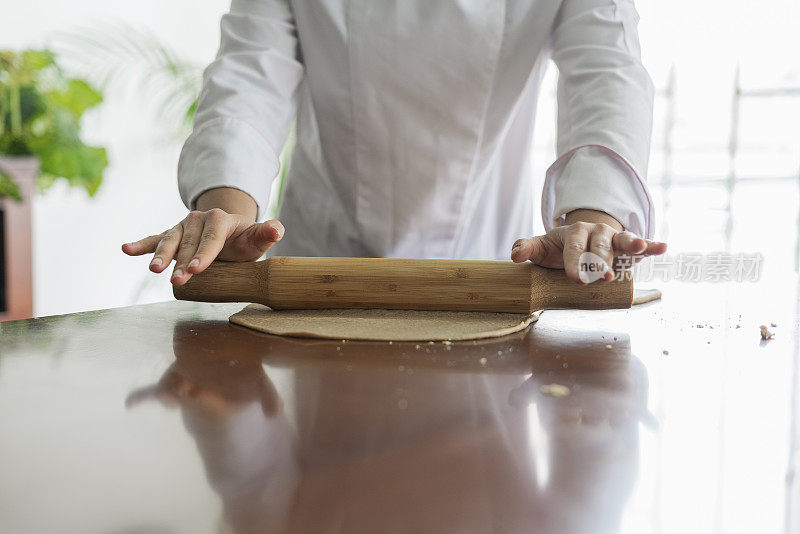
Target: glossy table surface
166,419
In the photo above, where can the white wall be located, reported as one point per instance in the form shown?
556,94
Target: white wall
78,264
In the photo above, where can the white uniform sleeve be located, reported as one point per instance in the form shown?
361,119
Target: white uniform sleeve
605,110
246,106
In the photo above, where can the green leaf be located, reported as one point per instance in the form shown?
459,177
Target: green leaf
31,103
9,188
37,59
81,165
14,146
95,161
78,96
45,181
191,111
7,59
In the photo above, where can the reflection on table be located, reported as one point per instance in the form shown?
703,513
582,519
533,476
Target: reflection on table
409,437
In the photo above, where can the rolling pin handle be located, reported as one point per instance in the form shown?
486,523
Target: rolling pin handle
227,282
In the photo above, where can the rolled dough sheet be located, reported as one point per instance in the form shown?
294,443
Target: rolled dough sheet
393,325
643,296
382,325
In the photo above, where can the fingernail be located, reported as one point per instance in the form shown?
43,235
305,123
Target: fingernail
516,248
156,262
194,263
178,273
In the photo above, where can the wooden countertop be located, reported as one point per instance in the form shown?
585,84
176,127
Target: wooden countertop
165,418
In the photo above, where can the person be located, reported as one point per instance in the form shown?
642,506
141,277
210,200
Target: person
414,122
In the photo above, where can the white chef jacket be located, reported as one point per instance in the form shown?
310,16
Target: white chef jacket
414,120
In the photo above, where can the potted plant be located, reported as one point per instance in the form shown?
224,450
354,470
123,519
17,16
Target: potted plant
40,113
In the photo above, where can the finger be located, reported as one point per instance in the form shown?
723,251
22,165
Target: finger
654,248
216,230
575,241
143,246
600,245
166,249
535,249
262,236
140,395
521,250
628,243
192,229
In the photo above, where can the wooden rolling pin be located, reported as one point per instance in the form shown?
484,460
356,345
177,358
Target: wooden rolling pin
456,285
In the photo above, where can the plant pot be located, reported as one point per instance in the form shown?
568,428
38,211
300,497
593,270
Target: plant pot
16,273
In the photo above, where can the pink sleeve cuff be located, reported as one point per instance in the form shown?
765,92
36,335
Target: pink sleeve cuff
596,177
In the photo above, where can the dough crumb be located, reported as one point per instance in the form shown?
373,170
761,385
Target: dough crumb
482,361
554,390
765,334
402,404
416,347
445,342
609,347
665,352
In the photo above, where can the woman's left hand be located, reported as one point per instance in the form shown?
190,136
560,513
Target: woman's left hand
584,231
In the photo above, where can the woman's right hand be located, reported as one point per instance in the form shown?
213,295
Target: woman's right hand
203,236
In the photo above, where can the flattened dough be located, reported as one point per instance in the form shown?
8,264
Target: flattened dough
381,325
643,296
393,325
